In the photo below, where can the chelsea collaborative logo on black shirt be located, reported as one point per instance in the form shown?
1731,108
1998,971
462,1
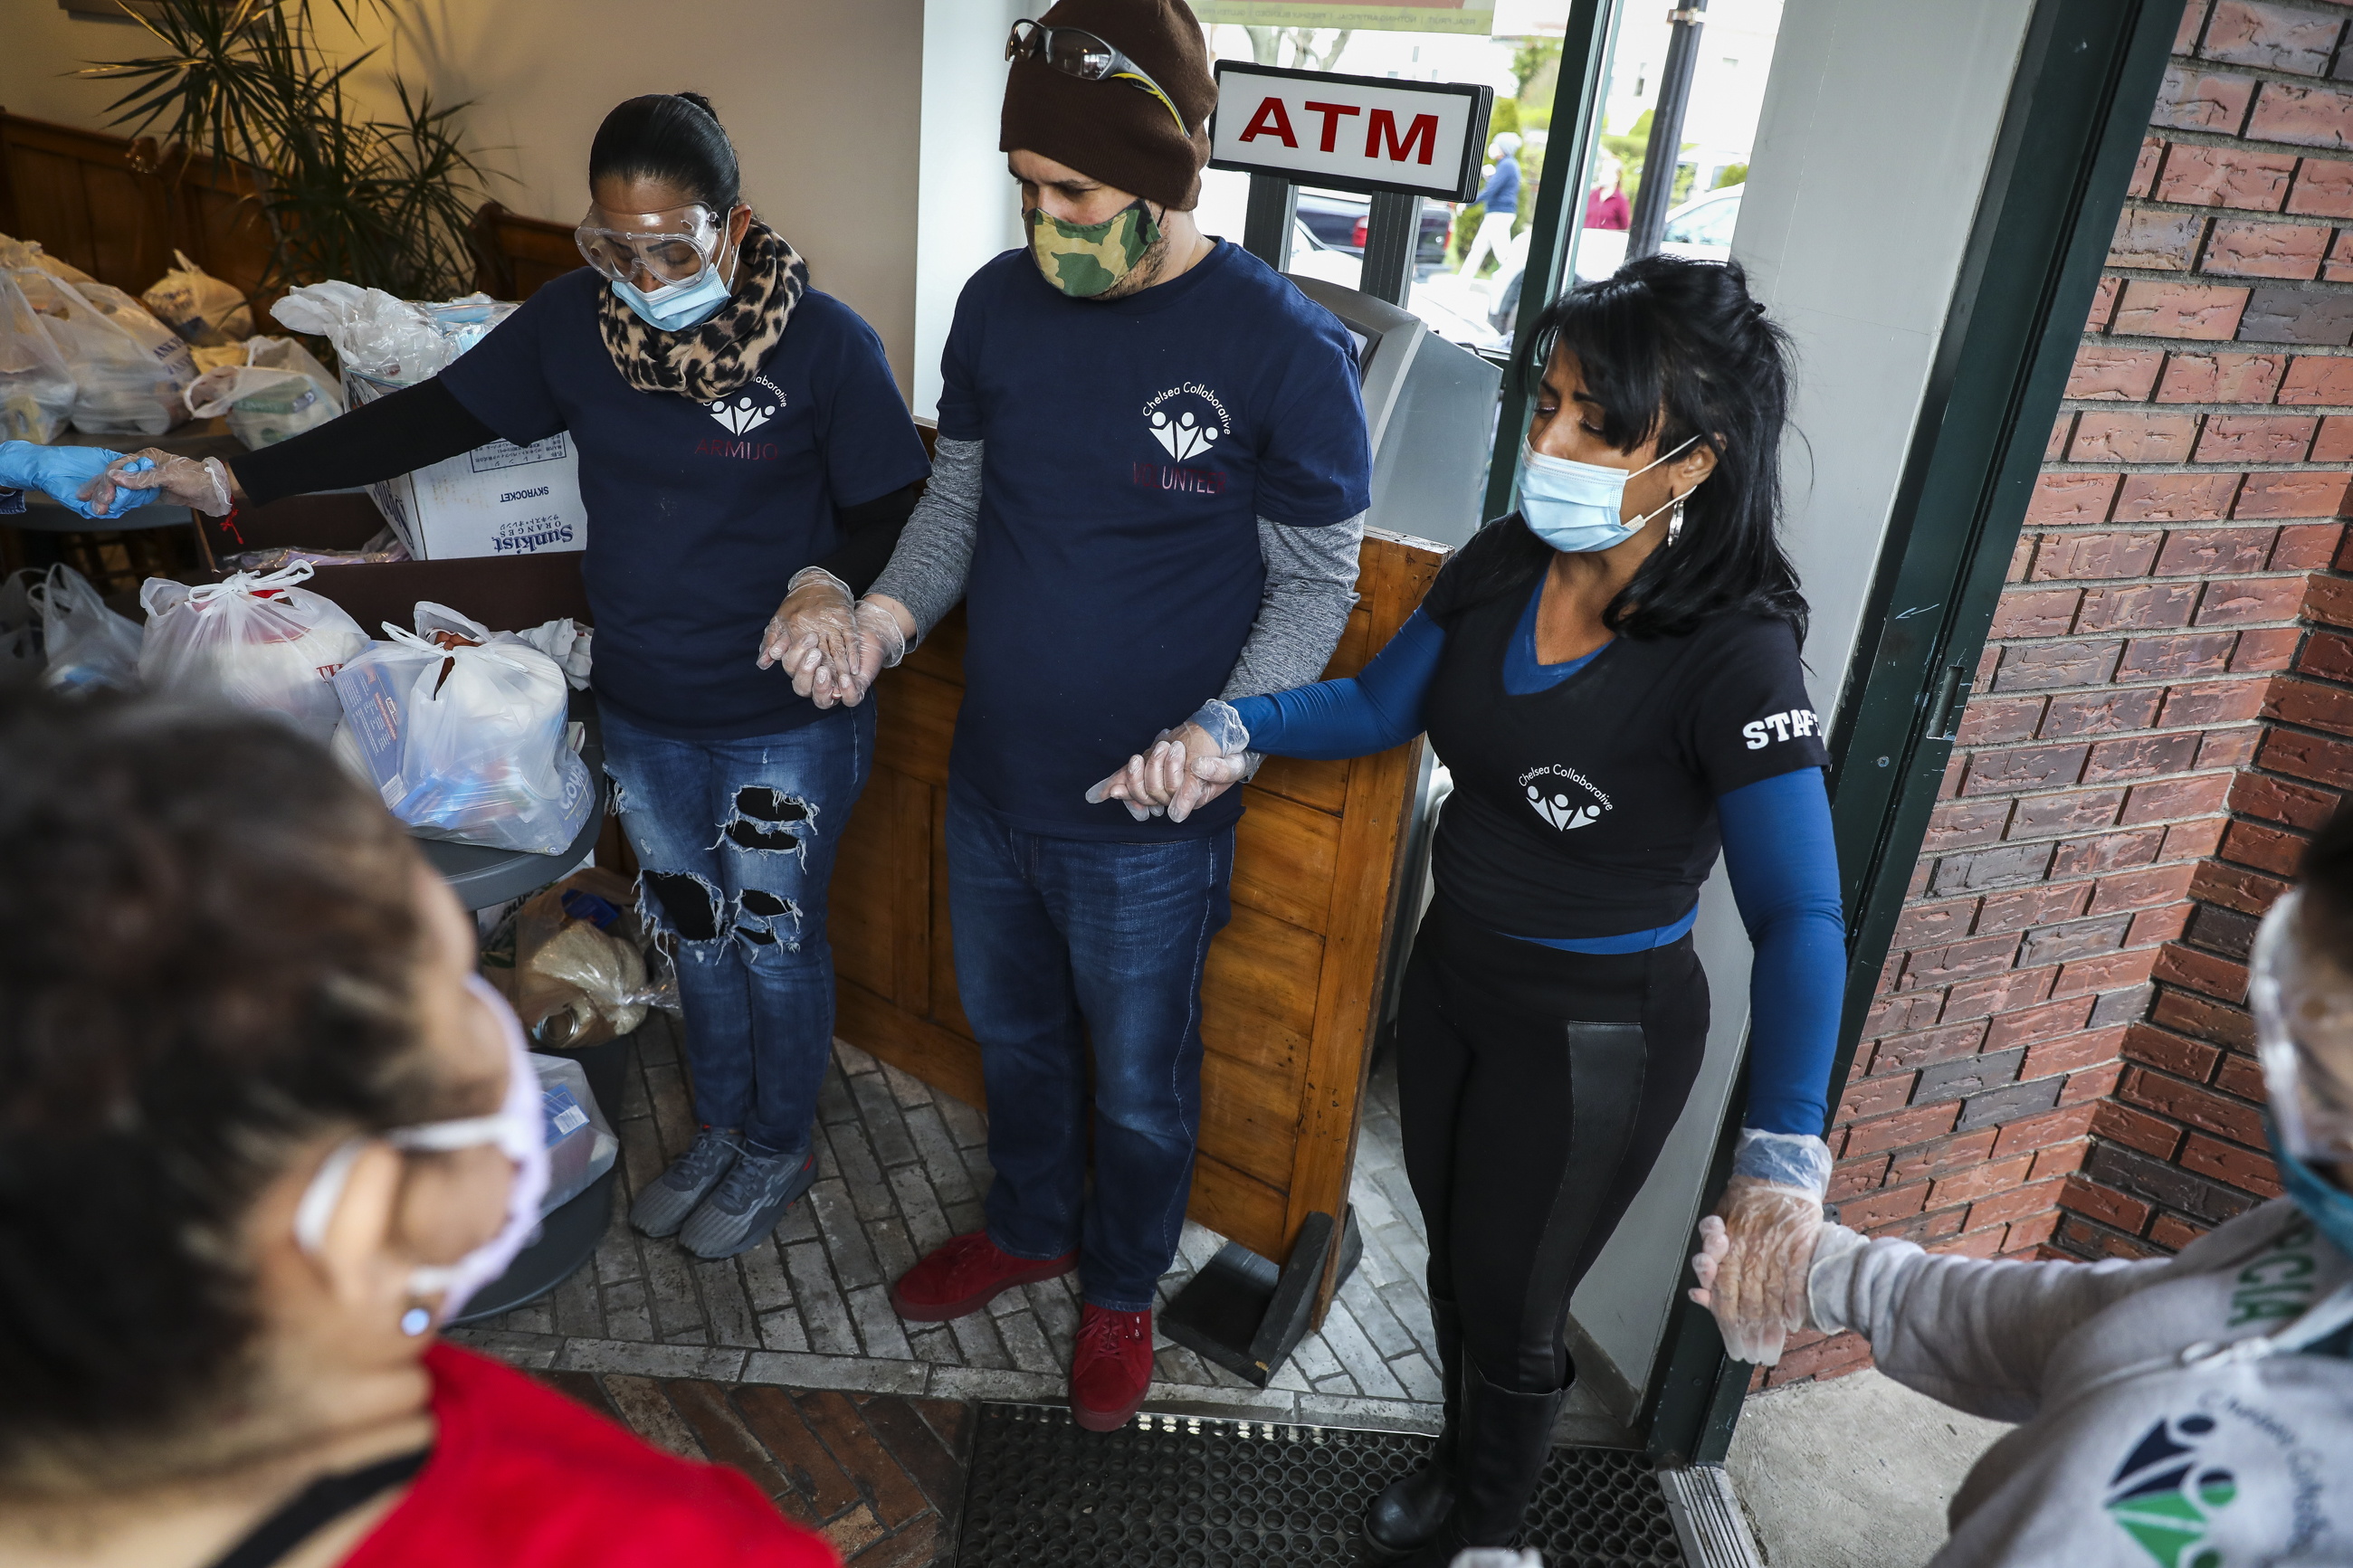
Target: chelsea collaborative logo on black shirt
1563,796
1186,421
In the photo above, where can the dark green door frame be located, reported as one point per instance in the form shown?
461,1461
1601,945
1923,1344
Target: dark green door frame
2070,135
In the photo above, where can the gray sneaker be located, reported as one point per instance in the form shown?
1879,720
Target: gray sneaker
662,1207
745,1206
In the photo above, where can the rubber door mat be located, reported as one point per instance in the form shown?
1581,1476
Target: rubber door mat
1194,1493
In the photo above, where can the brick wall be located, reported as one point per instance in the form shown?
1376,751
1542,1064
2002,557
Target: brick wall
2058,1061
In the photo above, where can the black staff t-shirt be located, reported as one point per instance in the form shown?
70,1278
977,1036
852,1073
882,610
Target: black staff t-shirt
1588,809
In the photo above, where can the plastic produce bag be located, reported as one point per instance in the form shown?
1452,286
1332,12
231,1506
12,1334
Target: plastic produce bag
576,963
130,371
37,389
580,1143
86,644
261,642
465,736
200,307
276,390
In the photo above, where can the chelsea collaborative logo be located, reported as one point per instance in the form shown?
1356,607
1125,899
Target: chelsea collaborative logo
1563,796
749,411
1186,433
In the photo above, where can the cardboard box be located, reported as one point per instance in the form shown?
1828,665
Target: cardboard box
499,500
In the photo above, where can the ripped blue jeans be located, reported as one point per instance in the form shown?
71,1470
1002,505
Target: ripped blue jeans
736,840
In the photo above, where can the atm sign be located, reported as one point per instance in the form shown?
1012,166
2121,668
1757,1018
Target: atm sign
1351,132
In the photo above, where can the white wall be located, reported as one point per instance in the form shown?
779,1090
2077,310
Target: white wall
820,98
1870,157
967,207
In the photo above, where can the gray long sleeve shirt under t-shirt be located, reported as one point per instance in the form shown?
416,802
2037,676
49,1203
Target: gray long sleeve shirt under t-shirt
1310,578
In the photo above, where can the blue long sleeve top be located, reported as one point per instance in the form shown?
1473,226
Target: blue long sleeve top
1777,846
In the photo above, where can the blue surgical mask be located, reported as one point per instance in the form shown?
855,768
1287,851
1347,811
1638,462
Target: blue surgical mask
1575,506
676,306
2323,1203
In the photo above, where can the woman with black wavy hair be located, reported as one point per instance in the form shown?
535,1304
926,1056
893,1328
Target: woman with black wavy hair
1611,674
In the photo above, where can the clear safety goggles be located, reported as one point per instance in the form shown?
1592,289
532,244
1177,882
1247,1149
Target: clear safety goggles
674,247
1076,52
2304,1037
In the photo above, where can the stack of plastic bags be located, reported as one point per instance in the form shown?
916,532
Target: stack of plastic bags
130,372
464,734
402,341
259,641
37,389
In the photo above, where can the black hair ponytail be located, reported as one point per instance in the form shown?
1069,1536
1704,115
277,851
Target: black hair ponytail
1674,348
673,137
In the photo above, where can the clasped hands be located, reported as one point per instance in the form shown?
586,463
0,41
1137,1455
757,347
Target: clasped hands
1186,769
830,643
1757,1250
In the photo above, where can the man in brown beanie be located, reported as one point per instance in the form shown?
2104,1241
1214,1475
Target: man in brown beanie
1150,486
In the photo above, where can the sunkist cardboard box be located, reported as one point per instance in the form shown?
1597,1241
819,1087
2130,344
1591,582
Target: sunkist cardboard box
499,500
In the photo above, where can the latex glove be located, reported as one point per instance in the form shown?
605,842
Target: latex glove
1187,768
881,626
814,625
62,473
1757,1249
156,475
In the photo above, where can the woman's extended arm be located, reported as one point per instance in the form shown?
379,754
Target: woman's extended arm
403,431
1784,871
1358,714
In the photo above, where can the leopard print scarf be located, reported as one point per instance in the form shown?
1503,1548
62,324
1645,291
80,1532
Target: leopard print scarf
718,356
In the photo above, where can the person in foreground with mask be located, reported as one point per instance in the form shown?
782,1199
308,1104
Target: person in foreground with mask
262,1130
1611,674
747,464
2194,1410
1152,476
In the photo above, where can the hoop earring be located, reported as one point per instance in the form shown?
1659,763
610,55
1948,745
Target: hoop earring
1676,524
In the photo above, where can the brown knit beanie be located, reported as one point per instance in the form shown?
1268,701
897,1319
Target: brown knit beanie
1114,131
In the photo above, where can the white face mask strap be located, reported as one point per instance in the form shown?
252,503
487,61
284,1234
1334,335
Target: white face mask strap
441,1137
325,1195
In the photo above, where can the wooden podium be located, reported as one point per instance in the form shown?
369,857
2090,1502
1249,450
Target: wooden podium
1293,985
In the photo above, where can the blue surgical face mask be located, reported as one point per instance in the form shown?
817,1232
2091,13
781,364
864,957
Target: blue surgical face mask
1575,506
2323,1203
675,307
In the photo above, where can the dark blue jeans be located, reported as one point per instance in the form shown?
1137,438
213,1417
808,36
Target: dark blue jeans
1060,943
736,841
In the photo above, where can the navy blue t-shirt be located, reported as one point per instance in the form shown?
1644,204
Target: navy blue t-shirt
694,526
1131,448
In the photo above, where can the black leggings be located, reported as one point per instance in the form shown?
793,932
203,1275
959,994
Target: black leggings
1536,1089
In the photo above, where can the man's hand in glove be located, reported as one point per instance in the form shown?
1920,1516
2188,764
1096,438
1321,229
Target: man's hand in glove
1187,768
1757,1249
63,473
155,474
880,627
816,625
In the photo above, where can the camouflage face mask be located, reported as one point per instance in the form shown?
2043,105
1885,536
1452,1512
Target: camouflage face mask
1085,259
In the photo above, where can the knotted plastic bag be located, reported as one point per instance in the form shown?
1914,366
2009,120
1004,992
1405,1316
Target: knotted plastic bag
464,735
200,307
257,640
87,644
37,389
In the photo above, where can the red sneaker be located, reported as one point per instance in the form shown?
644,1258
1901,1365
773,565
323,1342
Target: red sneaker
1111,1369
964,1274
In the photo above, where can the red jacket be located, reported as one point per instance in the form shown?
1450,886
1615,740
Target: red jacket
521,1477
1607,209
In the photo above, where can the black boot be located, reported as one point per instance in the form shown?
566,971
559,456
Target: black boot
1506,1442
1410,1509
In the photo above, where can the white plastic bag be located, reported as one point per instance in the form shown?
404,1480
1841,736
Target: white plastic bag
580,1143
567,643
200,307
87,644
373,333
464,734
20,622
37,389
130,371
274,391
261,642
29,253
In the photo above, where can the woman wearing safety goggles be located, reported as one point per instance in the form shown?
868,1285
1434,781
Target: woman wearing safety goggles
747,463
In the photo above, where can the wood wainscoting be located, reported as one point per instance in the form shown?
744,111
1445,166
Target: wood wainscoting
1293,984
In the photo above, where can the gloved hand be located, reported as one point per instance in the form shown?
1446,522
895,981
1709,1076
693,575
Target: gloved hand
881,625
155,474
1757,1249
815,625
62,473
1187,768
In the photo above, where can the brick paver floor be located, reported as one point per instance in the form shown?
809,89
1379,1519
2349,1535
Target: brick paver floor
900,1169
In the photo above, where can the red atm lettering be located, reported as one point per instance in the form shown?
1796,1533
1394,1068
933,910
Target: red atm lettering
1274,119
1332,111
1424,130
